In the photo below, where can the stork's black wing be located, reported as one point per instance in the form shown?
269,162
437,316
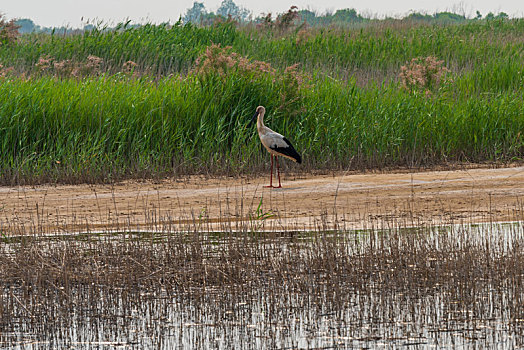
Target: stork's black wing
287,150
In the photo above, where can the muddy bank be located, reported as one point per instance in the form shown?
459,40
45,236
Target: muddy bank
322,201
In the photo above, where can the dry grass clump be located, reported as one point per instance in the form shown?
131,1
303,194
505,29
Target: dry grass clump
5,71
44,63
292,81
423,74
65,68
303,36
221,60
129,68
92,66
8,31
287,19
283,23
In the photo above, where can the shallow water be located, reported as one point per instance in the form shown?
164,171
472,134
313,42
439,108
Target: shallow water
324,313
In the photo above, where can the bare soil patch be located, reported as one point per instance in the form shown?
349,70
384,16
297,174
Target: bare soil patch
334,201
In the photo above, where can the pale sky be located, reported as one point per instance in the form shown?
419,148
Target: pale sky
69,12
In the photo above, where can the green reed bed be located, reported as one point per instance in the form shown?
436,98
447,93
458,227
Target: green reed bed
158,49
379,45
168,100
114,126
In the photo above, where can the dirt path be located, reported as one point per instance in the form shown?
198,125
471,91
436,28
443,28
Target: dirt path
343,201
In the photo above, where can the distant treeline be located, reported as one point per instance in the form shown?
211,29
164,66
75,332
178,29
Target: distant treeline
228,10
26,25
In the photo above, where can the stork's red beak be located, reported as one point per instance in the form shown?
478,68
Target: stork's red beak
253,119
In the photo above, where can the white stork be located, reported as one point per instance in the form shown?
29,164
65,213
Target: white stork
276,144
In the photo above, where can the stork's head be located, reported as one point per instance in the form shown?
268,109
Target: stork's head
260,111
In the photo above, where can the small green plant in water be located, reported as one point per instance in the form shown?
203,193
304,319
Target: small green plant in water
259,216
5,237
202,217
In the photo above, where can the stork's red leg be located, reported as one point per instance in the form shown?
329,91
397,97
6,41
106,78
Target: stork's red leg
278,172
271,176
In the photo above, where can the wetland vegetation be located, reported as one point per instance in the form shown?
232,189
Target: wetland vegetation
166,100
460,285
170,100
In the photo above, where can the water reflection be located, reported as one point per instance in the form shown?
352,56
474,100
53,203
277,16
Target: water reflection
390,304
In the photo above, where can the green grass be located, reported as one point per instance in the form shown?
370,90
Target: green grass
166,121
109,128
380,45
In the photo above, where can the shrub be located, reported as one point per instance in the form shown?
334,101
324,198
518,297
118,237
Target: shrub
423,74
286,20
93,65
221,60
8,31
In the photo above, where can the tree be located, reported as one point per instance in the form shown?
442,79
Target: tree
449,17
26,25
308,16
417,16
229,9
347,15
196,13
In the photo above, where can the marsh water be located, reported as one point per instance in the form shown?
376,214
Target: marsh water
445,287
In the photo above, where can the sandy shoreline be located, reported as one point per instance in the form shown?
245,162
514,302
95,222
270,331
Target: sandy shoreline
304,203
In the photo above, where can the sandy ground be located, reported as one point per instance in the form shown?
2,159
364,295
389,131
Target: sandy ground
324,201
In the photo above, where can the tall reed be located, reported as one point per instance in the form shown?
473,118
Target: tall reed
133,102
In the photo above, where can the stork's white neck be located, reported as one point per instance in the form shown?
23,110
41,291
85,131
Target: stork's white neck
260,121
